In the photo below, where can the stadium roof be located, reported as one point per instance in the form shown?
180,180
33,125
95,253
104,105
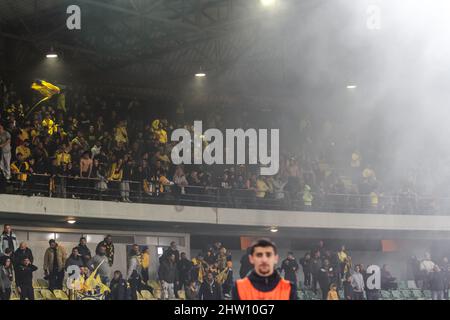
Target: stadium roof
155,46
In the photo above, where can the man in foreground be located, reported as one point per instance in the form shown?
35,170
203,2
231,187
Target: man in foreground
263,282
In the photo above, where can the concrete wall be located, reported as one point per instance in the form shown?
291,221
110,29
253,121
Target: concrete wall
219,216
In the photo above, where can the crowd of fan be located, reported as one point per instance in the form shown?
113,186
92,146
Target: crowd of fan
106,146
208,276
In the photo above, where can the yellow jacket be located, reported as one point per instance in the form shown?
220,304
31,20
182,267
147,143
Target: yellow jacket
115,174
63,158
25,151
261,188
332,295
121,135
21,169
145,260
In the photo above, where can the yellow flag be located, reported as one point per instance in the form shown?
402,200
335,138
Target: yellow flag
45,88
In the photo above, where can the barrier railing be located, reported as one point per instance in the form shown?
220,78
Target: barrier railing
156,193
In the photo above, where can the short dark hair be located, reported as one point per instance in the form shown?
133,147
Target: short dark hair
263,243
83,238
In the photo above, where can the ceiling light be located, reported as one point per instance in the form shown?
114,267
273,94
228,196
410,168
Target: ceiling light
267,3
351,86
200,74
52,54
71,221
274,229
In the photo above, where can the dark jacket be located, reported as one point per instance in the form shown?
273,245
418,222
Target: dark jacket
168,252
211,291
118,289
325,277
348,290
6,277
75,261
316,264
184,269
306,265
437,281
20,254
265,284
84,252
24,275
168,271
246,266
290,268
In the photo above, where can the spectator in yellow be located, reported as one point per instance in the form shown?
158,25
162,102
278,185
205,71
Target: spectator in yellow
121,134
159,132
332,294
261,187
145,257
35,130
49,124
307,196
24,150
24,135
63,156
369,173
21,168
116,171
374,200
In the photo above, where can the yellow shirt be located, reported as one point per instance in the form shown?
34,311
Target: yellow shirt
342,256
121,135
21,170
332,295
145,260
373,199
24,135
114,174
261,188
63,158
25,151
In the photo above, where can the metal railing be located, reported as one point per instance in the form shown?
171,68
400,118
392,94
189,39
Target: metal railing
155,193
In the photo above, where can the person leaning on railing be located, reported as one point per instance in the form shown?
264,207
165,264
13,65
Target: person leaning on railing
21,169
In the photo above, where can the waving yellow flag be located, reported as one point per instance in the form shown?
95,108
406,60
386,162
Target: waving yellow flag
46,89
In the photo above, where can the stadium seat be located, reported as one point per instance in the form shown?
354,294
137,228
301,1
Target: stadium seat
48,295
427,294
157,293
402,285
60,295
146,295
154,284
417,294
386,295
397,295
412,285
301,295
14,295
406,294
181,295
38,295
36,284
43,284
